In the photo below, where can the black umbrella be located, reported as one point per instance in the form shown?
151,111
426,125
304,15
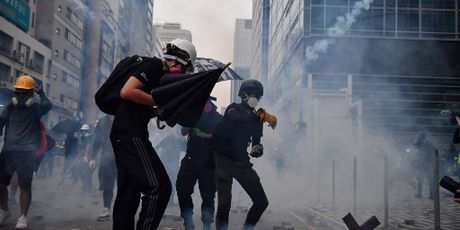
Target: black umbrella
66,126
181,97
203,64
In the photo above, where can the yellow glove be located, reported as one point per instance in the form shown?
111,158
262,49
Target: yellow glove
266,117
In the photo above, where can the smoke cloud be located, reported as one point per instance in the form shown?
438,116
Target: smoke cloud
342,25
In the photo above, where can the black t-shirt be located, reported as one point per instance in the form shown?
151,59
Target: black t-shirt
132,118
22,131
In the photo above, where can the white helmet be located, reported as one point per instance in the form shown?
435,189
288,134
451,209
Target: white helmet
180,50
84,127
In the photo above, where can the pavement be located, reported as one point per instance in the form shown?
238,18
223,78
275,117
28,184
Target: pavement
65,207
405,212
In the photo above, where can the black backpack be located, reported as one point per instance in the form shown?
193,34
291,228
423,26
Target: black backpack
107,96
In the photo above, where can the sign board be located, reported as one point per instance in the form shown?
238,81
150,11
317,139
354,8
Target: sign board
16,11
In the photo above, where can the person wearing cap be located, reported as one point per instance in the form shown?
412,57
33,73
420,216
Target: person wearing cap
140,170
198,166
22,137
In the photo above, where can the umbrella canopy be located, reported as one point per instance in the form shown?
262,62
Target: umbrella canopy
203,64
181,97
67,126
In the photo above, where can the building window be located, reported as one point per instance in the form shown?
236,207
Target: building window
72,59
70,80
438,4
47,88
439,24
24,53
4,72
73,38
33,20
317,17
66,55
369,23
408,3
18,73
74,18
408,23
6,43
39,61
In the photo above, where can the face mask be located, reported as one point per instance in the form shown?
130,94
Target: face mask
252,102
175,69
23,99
207,107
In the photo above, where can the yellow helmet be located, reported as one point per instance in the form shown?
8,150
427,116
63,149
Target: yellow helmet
24,82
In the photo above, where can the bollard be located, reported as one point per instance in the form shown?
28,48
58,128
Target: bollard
385,191
437,209
355,184
333,184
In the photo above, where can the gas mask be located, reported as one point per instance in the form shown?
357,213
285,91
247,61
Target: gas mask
207,107
23,98
251,101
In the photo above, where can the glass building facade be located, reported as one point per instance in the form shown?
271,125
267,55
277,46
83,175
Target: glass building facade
397,47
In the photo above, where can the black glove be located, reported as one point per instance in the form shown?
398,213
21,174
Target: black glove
257,151
38,89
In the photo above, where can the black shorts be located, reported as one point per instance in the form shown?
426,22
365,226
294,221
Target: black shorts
22,162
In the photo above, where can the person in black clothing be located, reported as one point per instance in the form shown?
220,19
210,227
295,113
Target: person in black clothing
107,168
70,155
140,170
21,141
196,166
240,126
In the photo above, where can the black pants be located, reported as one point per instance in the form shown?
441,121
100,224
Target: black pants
107,175
140,171
187,177
243,172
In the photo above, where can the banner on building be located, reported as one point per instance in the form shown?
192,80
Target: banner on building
16,11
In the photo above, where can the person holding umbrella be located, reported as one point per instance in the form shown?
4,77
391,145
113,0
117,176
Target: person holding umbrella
22,140
240,126
140,170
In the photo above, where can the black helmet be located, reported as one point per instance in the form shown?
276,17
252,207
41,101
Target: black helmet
249,87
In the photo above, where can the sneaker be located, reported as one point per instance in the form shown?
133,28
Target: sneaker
22,222
3,216
104,215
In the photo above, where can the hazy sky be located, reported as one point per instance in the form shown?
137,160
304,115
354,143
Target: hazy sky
212,23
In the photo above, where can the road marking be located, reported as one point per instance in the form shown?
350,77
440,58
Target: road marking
302,220
325,216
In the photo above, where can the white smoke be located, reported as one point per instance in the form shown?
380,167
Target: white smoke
342,25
